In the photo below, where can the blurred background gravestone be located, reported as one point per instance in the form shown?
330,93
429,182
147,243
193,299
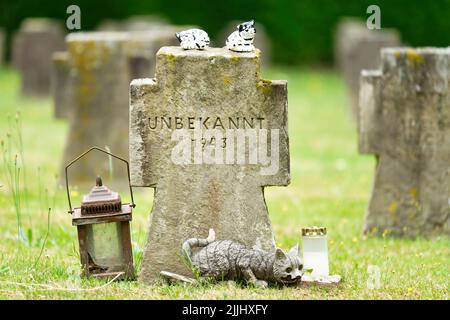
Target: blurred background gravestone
93,83
133,23
99,80
143,46
33,46
262,40
405,122
108,25
2,46
60,85
147,33
144,23
356,48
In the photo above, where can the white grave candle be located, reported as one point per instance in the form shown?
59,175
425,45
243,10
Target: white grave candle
315,250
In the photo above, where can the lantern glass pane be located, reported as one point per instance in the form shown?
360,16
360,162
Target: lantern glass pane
104,245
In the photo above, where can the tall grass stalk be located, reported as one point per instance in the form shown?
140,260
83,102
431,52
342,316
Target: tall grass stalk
14,167
20,149
110,164
12,170
48,207
45,239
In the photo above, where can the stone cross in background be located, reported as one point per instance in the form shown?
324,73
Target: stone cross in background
405,122
133,23
92,83
33,46
358,48
147,33
2,46
143,46
140,52
99,82
193,111
60,88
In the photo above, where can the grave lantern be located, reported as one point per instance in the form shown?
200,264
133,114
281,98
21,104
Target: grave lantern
315,250
103,227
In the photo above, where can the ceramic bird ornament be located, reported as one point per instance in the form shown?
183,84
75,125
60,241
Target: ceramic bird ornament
193,39
241,40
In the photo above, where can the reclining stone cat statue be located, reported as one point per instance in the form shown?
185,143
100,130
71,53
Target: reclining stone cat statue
229,260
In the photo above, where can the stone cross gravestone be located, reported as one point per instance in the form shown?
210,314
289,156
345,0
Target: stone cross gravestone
208,134
33,46
144,23
143,46
146,35
60,87
405,122
99,81
140,50
358,48
133,23
94,79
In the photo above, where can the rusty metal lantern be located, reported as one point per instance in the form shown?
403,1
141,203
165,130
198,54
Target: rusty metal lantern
103,224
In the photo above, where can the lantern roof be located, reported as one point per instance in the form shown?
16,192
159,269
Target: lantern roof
101,200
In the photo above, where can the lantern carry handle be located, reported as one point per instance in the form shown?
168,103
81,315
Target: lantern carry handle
101,150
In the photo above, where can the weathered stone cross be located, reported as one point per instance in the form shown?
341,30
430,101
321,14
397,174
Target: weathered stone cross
405,121
187,128
358,48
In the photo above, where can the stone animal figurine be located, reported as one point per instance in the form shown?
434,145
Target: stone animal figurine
193,39
229,260
241,40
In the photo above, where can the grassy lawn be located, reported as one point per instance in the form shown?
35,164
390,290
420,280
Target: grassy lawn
330,186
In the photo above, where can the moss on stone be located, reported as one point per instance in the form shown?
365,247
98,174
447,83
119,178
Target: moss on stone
393,208
414,58
413,193
265,86
227,80
168,56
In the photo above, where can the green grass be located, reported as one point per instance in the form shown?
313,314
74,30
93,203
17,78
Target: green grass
330,186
